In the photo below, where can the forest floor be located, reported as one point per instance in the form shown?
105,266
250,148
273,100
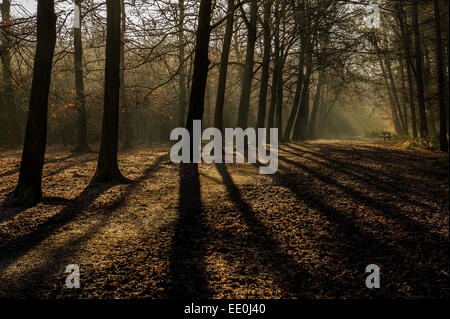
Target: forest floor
225,231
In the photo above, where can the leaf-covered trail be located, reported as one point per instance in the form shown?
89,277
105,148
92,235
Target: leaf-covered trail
224,231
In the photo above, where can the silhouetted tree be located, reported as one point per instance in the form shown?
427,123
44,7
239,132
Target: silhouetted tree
441,85
82,143
201,62
107,166
28,189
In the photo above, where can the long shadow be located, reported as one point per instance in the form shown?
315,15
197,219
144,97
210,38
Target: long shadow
15,209
40,276
355,249
376,155
289,274
406,223
19,246
400,158
364,175
56,160
186,278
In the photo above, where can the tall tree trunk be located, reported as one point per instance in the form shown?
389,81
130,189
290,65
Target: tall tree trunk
182,70
201,62
315,107
28,189
107,166
301,123
276,67
395,97
395,118
248,70
127,127
429,104
404,95
262,102
13,129
441,85
419,74
282,60
406,39
82,143
279,106
296,104
220,99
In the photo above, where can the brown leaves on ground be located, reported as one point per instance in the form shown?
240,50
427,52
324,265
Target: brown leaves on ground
224,231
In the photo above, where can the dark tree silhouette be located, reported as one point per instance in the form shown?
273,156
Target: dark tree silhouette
82,144
419,73
441,85
28,189
201,62
261,120
107,166
249,62
220,100
13,129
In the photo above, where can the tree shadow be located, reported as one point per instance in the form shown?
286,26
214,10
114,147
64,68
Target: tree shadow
186,278
291,276
368,176
40,276
405,222
13,209
400,254
56,160
15,248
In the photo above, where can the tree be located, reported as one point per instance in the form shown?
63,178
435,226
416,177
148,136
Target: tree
107,166
406,39
82,144
301,123
262,102
201,62
13,129
441,85
220,99
249,62
28,189
127,127
419,74
182,71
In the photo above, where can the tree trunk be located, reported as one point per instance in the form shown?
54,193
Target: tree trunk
13,133
107,166
276,67
201,62
409,67
301,123
182,71
220,99
262,102
419,74
82,143
127,127
28,189
395,118
248,70
404,95
441,85
315,107
395,98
